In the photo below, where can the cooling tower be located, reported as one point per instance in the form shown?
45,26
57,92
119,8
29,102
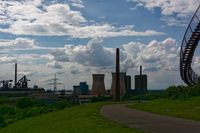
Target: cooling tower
122,84
98,86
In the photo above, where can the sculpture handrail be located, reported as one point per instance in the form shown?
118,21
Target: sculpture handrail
188,46
190,24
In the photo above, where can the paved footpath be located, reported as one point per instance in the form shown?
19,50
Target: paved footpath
148,121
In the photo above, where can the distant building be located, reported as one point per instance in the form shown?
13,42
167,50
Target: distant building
122,84
128,83
141,82
98,86
76,90
84,88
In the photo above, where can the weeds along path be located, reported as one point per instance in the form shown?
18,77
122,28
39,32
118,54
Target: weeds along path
148,121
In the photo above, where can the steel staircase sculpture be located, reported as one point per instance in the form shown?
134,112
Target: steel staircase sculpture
189,44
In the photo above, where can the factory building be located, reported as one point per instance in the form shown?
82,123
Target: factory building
128,83
141,82
84,88
98,86
76,90
122,84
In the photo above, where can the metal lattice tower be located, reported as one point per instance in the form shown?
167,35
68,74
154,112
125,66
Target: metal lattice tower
54,83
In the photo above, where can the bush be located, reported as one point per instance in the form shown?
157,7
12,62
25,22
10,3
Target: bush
26,107
3,100
2,121
182,92
100,99
33,111
24,103
62,104
150,95
7,110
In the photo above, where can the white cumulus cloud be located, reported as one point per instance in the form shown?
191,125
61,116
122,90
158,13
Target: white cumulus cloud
175,12
18,43
37,18
154,56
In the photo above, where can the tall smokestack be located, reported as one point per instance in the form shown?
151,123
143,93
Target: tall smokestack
140,70
15,74
117,83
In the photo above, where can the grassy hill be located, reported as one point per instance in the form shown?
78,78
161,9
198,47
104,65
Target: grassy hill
78,119
189,109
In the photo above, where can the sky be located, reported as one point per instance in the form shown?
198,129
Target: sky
78,38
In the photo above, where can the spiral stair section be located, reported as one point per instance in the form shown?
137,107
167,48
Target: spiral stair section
188,46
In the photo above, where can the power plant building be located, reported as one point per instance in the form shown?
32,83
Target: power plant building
122,84
128,83
141,82
84,88
98,86
76,90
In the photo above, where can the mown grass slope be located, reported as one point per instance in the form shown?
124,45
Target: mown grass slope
189,109
78,119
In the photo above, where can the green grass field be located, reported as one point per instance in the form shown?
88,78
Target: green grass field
189,109
78,119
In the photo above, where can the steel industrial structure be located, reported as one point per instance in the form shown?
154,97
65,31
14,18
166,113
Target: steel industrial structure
189,44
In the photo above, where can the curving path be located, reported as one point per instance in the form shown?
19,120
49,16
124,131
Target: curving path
148,121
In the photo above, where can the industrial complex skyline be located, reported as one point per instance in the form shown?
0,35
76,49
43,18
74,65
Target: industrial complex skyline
77,38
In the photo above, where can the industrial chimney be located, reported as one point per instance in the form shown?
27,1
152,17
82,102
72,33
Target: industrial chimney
140,70
98,86
117,76
122,86
15,74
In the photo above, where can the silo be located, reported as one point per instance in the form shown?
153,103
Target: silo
98,86
122,84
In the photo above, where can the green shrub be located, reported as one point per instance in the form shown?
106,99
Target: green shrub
24,103
62,104
150,95
100,99
182,92
2,121
7,110
3,99
26,107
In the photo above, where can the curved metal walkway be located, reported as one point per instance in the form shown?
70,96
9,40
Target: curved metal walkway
189,44
148,121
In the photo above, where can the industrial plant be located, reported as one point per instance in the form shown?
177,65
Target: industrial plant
20,86
120,86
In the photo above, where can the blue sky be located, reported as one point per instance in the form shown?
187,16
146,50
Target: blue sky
76,38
